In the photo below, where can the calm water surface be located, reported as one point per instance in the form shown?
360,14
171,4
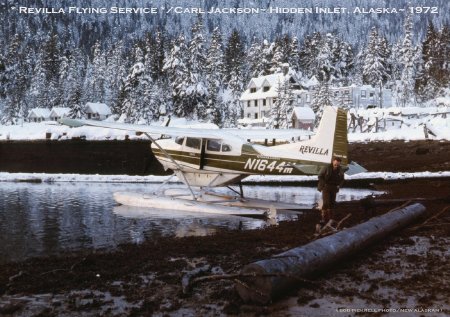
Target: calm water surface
45,219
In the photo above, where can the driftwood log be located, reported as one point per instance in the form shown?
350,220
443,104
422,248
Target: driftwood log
274,276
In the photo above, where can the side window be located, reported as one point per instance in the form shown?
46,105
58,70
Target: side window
226,148
179,140
213,145
193,143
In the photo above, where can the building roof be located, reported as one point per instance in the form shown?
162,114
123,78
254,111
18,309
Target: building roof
39,112
60,111
303,113
97,107
272,81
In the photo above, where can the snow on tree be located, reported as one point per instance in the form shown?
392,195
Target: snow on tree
94,86
234,66
278,59
14,72
294,57
155,53
175,67
408,55
322,98
283,105
253,60
375,69
426,84
433,74
73,84
214,77
138,103
115,75
196,90
326,57
282,51
51,62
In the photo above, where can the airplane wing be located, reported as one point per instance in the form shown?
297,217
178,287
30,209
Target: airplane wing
151,129
238,134
269,134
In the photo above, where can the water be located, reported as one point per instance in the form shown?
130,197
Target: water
46,219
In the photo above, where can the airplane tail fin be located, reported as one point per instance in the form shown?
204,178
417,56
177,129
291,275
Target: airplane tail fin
329,141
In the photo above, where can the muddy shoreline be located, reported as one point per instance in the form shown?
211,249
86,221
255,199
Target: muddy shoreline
146,279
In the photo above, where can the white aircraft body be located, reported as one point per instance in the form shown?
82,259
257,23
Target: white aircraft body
208,158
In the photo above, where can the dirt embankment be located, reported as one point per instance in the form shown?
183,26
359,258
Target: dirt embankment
132,157
410,269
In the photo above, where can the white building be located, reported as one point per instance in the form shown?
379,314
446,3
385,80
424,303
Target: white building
59,112
97,111
352,96
303,118
38,115
261,94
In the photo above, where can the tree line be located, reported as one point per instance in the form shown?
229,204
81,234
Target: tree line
202,77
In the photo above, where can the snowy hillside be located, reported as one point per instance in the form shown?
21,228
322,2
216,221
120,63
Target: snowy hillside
174,61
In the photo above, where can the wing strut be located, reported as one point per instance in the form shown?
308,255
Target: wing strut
174,162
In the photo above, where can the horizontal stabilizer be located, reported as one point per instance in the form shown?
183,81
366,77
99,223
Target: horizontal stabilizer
308,169
354,168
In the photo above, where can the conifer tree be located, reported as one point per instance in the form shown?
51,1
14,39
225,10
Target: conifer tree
175,67
214,76
283,105
234,62
405,89
375,69
197,91
253,61
116,73
322,98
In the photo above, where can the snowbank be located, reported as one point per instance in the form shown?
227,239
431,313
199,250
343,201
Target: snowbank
49,178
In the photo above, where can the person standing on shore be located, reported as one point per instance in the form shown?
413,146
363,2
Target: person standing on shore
331,178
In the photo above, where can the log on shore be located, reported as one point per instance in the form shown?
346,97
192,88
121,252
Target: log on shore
274,276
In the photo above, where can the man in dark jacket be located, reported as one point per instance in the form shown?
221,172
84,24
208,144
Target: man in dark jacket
331,178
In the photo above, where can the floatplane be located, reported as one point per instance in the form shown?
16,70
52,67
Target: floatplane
207,158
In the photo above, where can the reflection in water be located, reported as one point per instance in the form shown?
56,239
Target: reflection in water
42,219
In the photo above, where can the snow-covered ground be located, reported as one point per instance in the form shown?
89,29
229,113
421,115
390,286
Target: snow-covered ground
413,120
50,178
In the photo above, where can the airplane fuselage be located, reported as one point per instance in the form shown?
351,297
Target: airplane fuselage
206,165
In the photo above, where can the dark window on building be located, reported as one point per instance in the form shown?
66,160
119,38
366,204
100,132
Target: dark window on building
266,88
252,90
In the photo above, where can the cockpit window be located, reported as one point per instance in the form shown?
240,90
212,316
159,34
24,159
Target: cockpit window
226,148
179,140
193,143
213,145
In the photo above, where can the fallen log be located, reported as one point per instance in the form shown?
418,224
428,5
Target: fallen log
293,265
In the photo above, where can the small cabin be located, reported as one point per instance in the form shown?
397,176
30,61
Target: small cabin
38,115
303,118
58,113
97,111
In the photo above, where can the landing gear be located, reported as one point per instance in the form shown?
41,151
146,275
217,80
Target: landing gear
240,192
